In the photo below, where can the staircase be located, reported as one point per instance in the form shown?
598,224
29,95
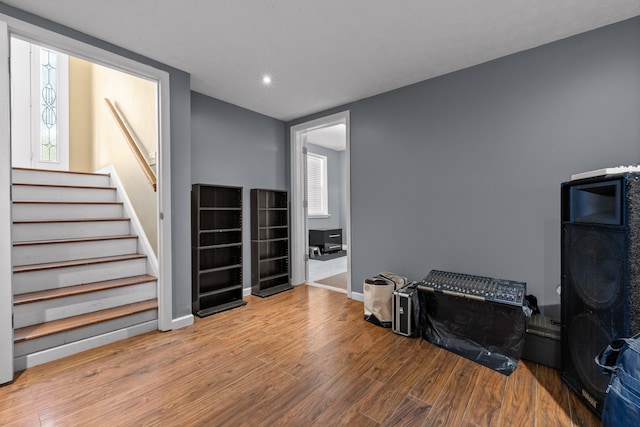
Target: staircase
79,279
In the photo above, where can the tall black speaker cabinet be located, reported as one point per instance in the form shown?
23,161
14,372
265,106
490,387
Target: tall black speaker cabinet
600,295
269,242
216,248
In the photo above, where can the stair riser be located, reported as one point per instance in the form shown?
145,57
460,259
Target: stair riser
57,178
34,211
56,340
62,194
34,281
37,254
34,359
68,230
60,308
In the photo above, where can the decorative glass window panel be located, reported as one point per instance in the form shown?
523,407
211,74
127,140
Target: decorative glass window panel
317,185
48,106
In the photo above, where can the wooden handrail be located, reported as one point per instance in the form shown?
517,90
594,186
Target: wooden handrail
132,144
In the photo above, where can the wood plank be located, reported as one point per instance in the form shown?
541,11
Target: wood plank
520,396
443,364
21,184
75,263
64,172
393,359
76,240
30,202
62,325
54,221
410,412
312,402
551,400
451,405
381,402
486,402
581,415
80,289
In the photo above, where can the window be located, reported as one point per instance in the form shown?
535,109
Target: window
317,185
48,106
39,107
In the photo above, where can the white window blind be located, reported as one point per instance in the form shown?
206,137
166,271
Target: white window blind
317,184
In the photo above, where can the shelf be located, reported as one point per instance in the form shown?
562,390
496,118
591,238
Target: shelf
269,242
220,291
226,267
219,220
272,290
221,237
271,233
216,240
218,196
275,276
220,209
279,239
220,308
225,245
274,258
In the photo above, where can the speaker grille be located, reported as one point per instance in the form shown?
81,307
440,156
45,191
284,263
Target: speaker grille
594,301
587,333
596,267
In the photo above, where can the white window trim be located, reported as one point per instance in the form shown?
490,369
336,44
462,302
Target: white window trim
62,110
323,212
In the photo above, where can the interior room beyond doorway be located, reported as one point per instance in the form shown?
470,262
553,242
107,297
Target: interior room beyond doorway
327,206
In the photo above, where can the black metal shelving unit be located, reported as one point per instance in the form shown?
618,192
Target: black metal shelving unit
216,244
269,242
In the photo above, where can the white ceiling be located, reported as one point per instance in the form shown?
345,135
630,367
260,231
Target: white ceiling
324,53
331,137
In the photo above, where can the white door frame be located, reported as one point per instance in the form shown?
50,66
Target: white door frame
299,234
6,295
97,55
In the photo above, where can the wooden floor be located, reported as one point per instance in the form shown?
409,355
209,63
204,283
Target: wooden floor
304,357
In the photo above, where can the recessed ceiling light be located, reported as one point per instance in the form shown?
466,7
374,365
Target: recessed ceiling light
266,79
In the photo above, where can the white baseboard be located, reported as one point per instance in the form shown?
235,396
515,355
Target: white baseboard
357,296
30,360
182,322
246,292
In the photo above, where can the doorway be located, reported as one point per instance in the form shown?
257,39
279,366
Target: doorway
10,26
323,142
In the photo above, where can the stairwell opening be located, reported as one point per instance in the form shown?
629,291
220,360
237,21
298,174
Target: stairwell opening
85,219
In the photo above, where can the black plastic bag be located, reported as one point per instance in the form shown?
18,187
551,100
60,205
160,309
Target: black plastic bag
491,334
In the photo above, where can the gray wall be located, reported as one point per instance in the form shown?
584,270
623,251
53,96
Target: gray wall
463,172
180,154
234,146
460,172
336,189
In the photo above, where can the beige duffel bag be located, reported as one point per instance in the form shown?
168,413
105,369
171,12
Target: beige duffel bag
378,297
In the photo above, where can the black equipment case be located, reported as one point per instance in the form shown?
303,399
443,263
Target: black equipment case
403,322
